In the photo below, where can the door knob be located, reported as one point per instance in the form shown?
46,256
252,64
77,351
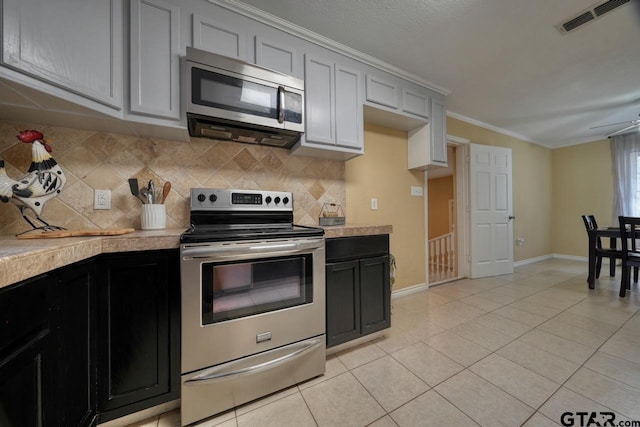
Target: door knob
511,217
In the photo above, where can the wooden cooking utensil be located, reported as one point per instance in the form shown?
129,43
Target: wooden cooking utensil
165,191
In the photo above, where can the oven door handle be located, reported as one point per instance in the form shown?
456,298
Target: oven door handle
216,374
278,248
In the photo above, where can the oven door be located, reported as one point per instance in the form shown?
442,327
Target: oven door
243,298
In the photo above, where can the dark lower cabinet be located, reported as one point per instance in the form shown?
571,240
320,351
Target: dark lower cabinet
75,337
47,367
375,294
357,286
90,342
343,302
138,332
26,355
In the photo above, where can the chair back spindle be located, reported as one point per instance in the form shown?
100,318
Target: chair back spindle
629,234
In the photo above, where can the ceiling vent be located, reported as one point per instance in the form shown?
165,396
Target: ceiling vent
592,13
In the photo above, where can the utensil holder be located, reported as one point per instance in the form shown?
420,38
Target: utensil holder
153,217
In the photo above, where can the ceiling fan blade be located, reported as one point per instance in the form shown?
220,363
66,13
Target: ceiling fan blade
618,132
611,124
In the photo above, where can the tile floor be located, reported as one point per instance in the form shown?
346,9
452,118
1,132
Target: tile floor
512,350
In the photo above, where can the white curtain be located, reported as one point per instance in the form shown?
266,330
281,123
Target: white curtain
626,169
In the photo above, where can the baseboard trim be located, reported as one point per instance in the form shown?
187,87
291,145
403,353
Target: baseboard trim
409,290
532,260
573,257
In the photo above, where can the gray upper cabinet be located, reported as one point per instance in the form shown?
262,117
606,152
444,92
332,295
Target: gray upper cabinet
277,56
396,95
219,37
333,101
382,92
72,51
349,123
320,102
416,103
428,143
72,44
154,62
438,133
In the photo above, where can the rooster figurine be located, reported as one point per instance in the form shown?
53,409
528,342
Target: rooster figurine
43,181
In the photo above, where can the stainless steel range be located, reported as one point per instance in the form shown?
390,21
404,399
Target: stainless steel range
253,300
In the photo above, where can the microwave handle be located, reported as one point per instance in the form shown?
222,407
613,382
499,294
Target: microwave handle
280,104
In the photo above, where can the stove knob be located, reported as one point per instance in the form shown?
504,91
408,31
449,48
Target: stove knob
213,198
285,200
268,199
201,197
277,200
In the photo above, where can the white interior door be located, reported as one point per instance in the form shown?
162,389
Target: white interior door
491,211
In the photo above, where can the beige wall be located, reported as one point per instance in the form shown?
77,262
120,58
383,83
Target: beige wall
582,184
382,173
532,186
439,194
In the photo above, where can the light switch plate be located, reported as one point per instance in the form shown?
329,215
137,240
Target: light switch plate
416,191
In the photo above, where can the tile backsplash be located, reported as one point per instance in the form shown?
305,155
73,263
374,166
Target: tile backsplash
104,161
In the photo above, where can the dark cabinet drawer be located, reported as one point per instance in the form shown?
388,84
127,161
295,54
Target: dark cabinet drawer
346,248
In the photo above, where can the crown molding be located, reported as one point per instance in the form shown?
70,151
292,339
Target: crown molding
491,127
300,32
522,137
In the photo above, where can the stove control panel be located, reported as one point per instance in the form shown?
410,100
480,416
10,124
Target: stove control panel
223,199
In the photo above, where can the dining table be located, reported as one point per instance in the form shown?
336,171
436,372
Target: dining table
613,233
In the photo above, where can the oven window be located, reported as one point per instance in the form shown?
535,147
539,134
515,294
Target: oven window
237,289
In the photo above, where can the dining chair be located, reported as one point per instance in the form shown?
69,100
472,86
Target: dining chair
629,234
592,226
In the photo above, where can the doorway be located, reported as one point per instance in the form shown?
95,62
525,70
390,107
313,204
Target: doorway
447,235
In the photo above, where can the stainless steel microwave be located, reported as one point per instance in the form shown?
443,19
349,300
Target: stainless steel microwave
231,99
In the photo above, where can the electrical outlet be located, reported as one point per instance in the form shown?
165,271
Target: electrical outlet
374,204
520,241
102,199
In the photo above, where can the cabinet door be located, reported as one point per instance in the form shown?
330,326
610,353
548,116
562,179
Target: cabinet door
349,124
438,133
24,387
375,294
75,320
381,91
319,98
276,56
138,364
27,385
218,37
343,302
154,61
416,103
73,44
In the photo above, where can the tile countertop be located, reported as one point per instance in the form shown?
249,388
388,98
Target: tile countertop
350,230
22,259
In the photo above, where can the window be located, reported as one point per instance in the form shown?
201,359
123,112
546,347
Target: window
626,165
636,155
